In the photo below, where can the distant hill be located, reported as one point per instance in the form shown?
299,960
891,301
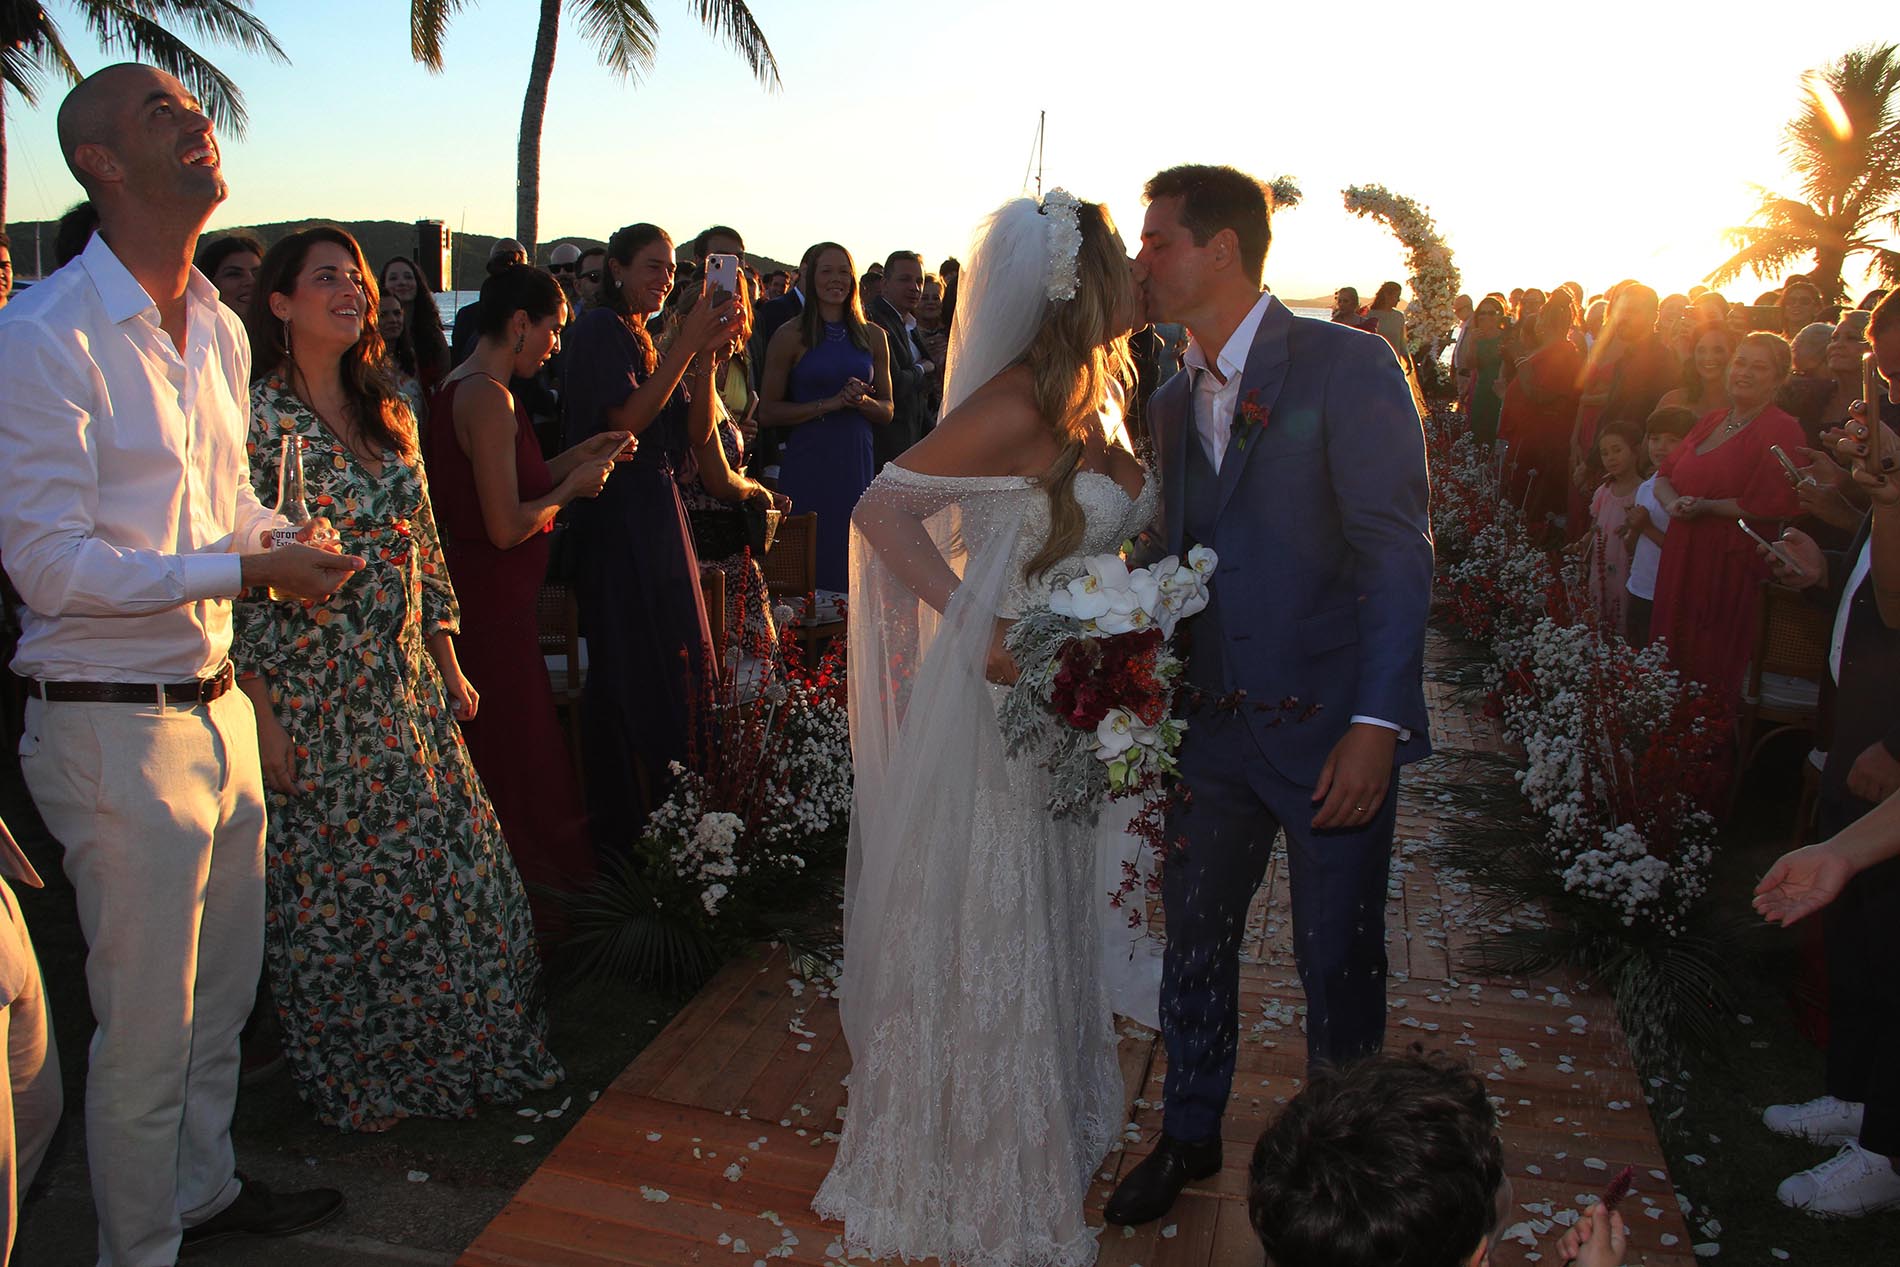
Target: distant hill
380,240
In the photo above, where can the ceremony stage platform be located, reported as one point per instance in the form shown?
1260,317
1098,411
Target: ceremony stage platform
708,1148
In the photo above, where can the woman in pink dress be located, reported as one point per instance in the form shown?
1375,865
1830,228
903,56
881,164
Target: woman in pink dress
1709,579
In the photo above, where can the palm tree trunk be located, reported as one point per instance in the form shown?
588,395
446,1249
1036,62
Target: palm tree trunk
534,109
1828,262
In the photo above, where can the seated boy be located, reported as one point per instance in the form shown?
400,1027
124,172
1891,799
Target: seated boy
1394,1162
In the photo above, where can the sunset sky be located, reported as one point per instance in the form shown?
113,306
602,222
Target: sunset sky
1590,142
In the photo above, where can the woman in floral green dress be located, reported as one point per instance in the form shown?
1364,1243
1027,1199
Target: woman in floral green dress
397,932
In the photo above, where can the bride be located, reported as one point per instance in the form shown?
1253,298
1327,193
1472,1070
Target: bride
976,997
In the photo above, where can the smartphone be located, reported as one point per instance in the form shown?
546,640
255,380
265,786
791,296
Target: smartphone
1773,547
723,272
1795,473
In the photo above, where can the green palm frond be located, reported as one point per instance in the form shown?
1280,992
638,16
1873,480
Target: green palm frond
623,33
732,21
223,21
428,24
1848,179
31,51
622,929
138,28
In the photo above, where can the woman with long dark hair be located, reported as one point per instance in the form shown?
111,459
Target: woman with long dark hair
637,575
403,279
400,948
496,499
828,378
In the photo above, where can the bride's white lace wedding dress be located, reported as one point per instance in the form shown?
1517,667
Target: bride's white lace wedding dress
985,1088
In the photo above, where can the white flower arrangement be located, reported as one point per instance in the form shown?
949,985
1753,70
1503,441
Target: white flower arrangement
802,791
1429,319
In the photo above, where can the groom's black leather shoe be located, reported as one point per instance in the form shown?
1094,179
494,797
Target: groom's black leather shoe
1150,1188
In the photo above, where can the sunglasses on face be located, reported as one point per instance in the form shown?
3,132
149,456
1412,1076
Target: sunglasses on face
592,275
562,268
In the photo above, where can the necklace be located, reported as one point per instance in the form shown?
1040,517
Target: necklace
1735,421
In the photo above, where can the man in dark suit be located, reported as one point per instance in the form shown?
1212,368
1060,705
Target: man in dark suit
1860,1111
895,309
1292,449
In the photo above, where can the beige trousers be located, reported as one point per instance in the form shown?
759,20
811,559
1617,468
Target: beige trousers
160,810
30,1094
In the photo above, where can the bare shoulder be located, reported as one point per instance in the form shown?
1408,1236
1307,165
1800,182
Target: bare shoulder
997,431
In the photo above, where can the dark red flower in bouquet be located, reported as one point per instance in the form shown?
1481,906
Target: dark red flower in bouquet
1094,675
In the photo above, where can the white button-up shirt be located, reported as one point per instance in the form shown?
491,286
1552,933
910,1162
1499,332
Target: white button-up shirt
125,491
1863,564
1217,383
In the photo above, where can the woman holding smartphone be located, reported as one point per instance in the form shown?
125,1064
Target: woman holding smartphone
637,575
1709,578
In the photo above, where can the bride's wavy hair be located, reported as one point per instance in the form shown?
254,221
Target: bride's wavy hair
1077,361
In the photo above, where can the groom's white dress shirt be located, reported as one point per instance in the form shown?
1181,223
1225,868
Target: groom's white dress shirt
1217,397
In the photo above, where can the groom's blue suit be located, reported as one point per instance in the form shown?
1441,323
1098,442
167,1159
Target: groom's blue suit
1320,598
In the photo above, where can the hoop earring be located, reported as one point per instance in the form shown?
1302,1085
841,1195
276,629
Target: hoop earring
520,340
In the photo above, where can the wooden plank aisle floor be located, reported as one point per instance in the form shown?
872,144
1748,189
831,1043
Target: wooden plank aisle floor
708,1148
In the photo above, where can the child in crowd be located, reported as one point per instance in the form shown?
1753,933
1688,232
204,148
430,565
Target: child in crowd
1395,1162
1606,550
1647,521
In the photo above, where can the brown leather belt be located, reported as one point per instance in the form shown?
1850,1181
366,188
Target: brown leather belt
202,691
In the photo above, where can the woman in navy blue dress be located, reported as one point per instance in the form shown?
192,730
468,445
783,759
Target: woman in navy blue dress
828,377
637,578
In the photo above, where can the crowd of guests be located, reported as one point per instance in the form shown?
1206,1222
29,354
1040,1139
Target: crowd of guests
1691,452
327,730
321,738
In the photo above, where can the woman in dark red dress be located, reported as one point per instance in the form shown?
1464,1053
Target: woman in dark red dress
1709,579
495,501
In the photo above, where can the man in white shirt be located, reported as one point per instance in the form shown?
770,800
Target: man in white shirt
128,523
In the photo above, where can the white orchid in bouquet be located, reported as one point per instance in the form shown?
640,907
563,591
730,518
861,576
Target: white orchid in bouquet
1095,693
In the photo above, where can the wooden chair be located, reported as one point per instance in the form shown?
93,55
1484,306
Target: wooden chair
1783,690
791,573
557,620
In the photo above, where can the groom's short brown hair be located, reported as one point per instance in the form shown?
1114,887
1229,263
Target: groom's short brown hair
1216,198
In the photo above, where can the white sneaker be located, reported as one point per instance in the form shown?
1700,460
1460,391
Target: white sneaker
1851,1183
1825,1121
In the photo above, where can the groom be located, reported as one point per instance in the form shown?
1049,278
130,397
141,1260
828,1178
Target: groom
1293,449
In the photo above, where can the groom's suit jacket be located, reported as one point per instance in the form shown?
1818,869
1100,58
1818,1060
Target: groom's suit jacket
1319,517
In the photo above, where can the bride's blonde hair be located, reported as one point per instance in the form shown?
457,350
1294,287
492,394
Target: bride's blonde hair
1079,352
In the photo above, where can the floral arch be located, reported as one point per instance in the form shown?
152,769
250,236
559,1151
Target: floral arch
1429,320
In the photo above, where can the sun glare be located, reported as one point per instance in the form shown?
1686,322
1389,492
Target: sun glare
1828,102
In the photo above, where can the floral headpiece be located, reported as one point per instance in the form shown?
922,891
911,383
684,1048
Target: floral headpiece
1065,243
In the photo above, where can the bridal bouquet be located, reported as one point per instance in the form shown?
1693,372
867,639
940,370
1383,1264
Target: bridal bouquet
1097,674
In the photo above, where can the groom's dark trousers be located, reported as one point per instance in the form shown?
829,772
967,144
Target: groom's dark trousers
1338,882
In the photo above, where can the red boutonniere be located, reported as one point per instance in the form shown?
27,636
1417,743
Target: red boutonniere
1253,417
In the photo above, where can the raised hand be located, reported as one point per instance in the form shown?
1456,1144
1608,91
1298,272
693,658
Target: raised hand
1598,1239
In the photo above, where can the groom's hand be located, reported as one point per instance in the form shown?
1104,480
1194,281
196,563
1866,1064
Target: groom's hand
1357,775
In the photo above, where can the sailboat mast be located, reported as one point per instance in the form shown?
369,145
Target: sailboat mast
1042,123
